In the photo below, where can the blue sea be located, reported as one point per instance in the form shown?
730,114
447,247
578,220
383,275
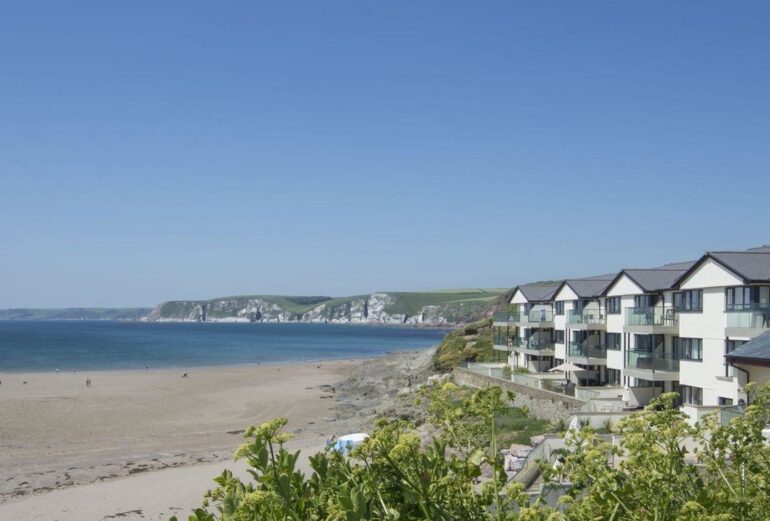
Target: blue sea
83,345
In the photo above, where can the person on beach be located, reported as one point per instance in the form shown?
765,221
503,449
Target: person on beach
88,382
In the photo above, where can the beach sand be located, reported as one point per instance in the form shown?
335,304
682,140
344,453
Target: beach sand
146,444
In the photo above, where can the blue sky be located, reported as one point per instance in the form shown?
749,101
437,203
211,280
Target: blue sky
163,150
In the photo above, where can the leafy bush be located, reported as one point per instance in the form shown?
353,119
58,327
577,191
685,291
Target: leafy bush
650,476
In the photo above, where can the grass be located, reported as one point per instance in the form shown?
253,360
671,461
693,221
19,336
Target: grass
472,342
516,426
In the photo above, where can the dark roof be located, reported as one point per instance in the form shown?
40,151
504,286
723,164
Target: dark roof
654,279
539,292
760,249
756,349
588,287
751,266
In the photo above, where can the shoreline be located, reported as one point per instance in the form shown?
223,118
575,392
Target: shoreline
133,424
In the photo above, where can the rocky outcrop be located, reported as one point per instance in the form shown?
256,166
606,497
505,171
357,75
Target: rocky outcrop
375,308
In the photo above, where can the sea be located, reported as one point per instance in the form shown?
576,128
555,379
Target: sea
29,346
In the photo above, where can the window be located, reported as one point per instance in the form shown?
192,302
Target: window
747,297
613,305
648,343
689,348
691,395
559,305
613,376
559,336
613,341
689,300
645,301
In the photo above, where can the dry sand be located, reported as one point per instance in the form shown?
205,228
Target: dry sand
146,444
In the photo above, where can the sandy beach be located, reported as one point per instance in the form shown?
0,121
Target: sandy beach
71,452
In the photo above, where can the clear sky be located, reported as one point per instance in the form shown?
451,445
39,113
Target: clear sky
192,149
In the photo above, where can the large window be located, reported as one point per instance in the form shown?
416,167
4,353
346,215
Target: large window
747,297
613,341
613,305
648,342
559,336
559,307
689,300
689,348
691,395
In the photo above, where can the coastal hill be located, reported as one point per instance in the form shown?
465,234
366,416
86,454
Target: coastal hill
426,308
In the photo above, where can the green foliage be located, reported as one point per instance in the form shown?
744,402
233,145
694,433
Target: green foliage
663,469
472,342
723,477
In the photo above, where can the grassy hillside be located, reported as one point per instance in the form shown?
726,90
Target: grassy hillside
472,342
412,302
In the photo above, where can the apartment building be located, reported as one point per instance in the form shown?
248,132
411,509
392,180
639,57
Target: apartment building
527,333
670,328
580,324
722,302
641,327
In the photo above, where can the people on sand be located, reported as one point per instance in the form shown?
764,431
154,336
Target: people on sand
184,375
88,382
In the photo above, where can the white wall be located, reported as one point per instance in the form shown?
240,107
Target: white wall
710,275
709,326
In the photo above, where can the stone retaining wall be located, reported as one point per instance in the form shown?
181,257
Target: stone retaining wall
545,405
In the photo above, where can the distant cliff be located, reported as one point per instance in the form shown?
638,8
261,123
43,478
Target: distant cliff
430,308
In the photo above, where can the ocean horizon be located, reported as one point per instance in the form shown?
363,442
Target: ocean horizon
83,345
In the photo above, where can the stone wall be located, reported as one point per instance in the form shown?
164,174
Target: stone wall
545,405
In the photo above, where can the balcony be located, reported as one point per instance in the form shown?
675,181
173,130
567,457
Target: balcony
649,320
502,342
748,321
587,353
649,365
536,318
504,318
588,319
534,346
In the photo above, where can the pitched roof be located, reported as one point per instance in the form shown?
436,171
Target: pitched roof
654,279
751,265
756,349
588,287
761,249
539,291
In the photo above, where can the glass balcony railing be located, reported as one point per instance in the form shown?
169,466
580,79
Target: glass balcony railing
585,350
650,361
538,316
587,317
754,317
651,316
503,340
535,344
503,316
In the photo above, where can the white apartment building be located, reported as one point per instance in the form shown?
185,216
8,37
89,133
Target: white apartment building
580,323
648,330
527,333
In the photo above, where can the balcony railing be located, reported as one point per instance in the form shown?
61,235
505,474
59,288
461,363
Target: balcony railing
651,316
503,340
587,317
650,361
754,317
502,316
585,350
534,344
538,316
